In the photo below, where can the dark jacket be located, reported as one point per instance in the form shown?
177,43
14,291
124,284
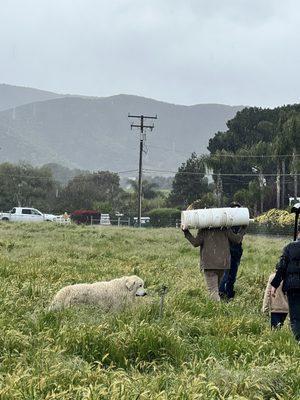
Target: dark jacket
236,249
288,268
214,246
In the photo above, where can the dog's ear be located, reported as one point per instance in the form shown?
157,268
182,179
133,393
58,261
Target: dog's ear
130,283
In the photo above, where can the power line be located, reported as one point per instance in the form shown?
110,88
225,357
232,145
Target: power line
51,177
148,171
171,150
126,172
251,155
274,156
210,173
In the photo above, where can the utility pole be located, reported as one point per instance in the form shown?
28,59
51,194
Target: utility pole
219,189
283,183
295,175
261,185
141,127
278,186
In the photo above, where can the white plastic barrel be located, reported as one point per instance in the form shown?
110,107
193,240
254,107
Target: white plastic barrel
215,217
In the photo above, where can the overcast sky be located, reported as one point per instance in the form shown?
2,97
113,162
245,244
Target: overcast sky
238,52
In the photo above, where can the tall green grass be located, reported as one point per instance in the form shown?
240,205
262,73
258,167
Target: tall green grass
198,350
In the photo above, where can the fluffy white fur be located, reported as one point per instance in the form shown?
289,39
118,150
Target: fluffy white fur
109,295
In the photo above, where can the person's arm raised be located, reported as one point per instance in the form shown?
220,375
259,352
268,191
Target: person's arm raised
195,241
236,237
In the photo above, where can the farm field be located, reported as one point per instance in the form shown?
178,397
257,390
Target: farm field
198,350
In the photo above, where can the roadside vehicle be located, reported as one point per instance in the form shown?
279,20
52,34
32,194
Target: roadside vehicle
145,221
26,214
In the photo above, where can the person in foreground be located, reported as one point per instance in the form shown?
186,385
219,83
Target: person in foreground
214,253
226,288
288,271
277,306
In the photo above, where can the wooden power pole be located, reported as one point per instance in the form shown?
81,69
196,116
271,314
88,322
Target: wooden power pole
283,184
261,186
142,127
219,189
295,175
278,185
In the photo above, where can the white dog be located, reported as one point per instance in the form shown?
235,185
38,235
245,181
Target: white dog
109,295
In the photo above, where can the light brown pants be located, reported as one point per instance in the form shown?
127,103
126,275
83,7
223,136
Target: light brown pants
213,279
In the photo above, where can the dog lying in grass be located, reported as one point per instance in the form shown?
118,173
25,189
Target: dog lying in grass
111,295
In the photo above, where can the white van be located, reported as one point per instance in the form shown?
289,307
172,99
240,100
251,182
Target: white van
144,221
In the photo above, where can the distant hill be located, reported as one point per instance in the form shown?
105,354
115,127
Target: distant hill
14,96
94,133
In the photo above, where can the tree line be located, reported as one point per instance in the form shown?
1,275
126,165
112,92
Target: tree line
255,161
26,185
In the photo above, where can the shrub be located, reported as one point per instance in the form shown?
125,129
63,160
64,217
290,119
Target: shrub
276,217
162,217
274,221
85,216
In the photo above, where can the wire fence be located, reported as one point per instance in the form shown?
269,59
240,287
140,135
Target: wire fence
254,228
161,223
270,229
110,222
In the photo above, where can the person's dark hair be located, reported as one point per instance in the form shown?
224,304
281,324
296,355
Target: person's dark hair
235,204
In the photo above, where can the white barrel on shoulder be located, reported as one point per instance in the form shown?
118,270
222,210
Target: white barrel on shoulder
215,217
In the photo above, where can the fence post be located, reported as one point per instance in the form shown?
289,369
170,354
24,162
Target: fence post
163,291
91,220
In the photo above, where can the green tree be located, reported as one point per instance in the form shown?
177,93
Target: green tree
149,189
25,185
189,182
258,142
86,190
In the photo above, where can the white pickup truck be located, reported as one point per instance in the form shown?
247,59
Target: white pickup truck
26,214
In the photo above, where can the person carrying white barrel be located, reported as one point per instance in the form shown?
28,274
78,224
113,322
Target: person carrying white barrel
226,288
215,258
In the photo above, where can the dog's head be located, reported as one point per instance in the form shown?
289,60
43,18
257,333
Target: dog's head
135,285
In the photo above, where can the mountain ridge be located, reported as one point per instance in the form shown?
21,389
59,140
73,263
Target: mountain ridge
94,132
13,96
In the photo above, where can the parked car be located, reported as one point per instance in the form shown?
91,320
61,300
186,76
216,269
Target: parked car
26,214
145,221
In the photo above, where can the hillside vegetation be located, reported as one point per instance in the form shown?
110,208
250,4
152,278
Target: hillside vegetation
14,96
198,350
94,133
258,157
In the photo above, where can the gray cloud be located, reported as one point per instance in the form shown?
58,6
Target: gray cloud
196,51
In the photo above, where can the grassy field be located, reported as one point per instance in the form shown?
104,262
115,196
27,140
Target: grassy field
198,350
